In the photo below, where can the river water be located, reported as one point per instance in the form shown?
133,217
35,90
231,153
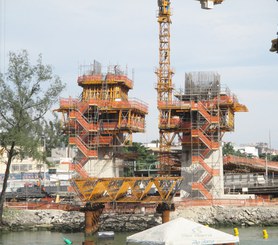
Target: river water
248,236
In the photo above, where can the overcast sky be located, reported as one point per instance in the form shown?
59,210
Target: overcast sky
233,39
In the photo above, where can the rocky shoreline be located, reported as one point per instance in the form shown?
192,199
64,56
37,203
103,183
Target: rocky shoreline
230,216
53,220
63,221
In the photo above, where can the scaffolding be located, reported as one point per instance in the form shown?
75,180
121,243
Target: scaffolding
211,115
198,117
104,118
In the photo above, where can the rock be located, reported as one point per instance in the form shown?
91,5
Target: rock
220,215
57,220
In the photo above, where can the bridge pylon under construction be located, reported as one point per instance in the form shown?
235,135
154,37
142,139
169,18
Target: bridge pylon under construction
102,120
198,117
194,118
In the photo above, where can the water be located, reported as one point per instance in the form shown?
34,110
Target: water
248,236
254,235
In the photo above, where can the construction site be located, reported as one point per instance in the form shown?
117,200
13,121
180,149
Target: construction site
196,117
102,121
135,151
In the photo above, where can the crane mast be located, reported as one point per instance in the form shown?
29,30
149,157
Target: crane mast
164,72
168,113
164,80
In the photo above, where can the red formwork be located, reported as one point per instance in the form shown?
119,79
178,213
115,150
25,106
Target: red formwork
251,162
258,201
109,78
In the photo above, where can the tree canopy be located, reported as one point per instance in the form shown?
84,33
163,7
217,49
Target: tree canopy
27,93
228,149
53,135
144,156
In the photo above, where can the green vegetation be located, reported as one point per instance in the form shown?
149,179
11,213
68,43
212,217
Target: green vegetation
27,93
269,157
228,149
144,158
53,135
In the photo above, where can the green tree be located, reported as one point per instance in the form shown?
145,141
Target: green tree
228,149
27,93
144,156
269,157
274,158
53,135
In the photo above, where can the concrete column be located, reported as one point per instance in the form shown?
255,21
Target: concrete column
88,243
92,219
88,222
165,216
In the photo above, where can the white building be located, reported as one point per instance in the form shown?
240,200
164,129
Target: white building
29,172
252,150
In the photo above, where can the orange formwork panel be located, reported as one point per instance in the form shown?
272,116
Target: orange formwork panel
103,140
67,103
109,78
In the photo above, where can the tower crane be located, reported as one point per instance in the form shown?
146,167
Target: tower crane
274,44
165,73
209,4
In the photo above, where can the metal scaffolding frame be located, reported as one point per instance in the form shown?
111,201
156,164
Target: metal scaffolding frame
104,118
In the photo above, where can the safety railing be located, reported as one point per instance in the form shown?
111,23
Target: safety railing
68,103
109,78
250,161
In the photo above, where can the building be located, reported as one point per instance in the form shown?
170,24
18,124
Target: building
30,172
248,150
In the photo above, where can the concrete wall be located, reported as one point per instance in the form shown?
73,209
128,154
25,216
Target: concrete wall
104,167
215,161
194,172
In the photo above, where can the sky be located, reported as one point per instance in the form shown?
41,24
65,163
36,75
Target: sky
233,39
